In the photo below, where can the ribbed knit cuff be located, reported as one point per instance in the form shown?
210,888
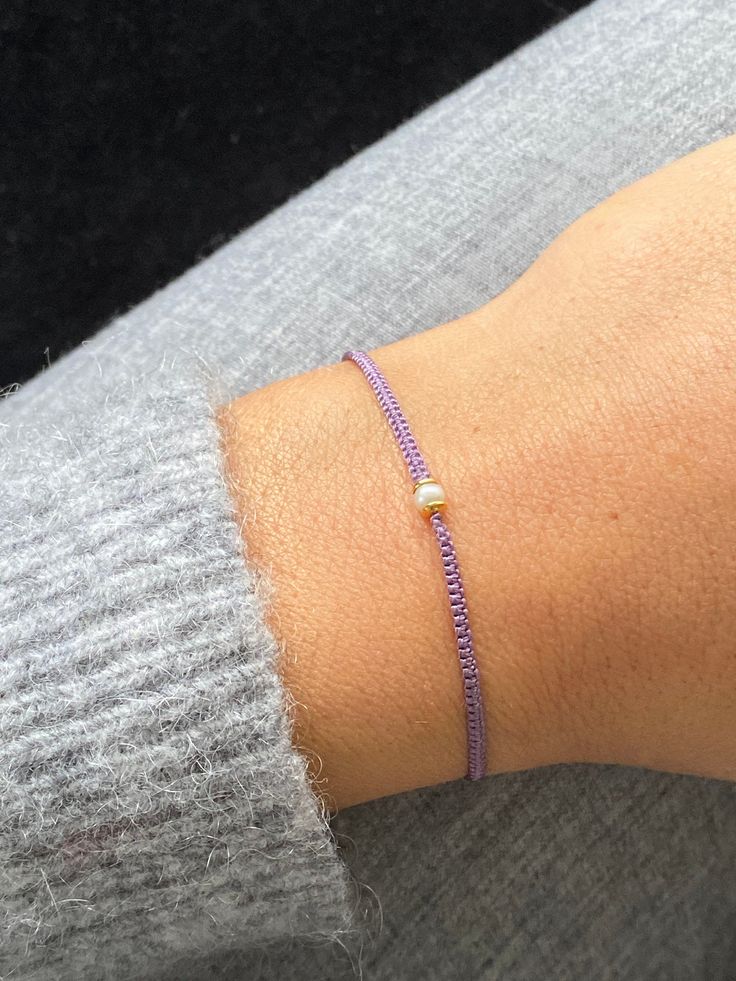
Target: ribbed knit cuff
151,805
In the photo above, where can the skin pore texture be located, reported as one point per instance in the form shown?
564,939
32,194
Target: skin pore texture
583,425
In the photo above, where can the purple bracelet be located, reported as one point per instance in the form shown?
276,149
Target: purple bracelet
429,498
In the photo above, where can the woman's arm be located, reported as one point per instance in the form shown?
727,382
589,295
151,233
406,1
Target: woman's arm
583,426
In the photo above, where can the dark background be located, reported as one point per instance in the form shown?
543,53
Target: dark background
139,136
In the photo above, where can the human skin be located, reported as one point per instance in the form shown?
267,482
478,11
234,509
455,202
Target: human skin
583,425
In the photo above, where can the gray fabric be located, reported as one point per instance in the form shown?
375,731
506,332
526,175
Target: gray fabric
572,872
152,806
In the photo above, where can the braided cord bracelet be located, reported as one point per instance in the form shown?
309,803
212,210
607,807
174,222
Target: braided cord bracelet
429,498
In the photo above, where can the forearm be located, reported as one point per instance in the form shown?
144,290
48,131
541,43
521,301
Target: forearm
582,447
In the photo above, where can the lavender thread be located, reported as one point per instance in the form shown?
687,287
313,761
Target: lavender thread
418,470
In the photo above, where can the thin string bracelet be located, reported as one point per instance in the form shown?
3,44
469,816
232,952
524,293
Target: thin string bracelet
429,498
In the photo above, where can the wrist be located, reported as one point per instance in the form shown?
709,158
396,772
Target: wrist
359,603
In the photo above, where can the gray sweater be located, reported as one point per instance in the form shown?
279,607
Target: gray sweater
152,805
154,818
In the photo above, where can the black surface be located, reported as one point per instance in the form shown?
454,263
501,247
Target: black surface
138,136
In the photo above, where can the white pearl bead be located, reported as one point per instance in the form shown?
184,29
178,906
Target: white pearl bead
429,496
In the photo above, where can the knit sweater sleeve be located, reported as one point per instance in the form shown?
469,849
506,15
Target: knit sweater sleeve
152,807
